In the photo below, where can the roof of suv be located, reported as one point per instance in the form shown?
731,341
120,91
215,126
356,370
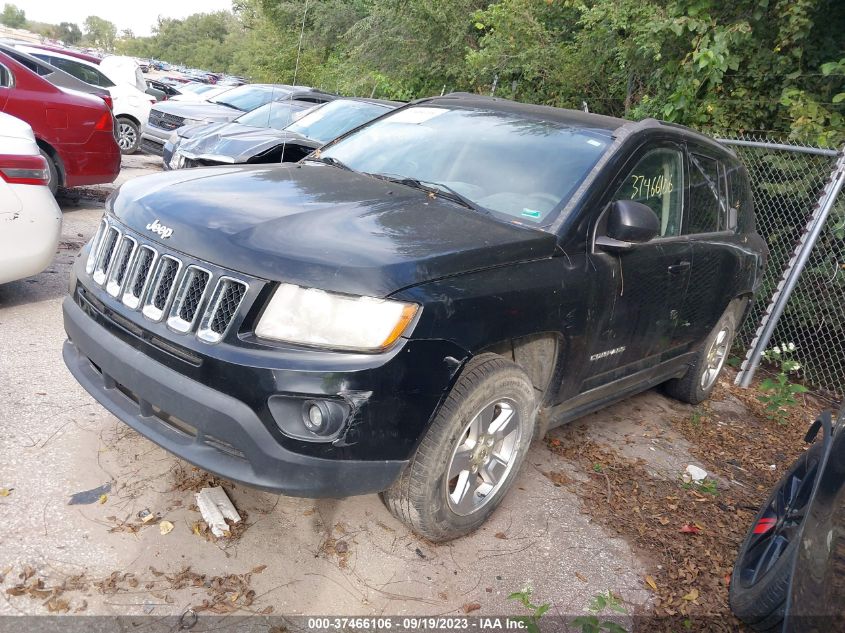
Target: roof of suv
575,118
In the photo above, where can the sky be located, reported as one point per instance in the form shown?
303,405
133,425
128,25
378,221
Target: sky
138,16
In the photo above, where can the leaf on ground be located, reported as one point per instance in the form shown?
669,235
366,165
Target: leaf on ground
501,535
471,606
692,595
165,527
650,582
259,569
5,492
103,499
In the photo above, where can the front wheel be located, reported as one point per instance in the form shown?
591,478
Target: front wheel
470,455
128,135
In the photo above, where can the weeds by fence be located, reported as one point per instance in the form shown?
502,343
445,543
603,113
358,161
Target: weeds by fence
787,181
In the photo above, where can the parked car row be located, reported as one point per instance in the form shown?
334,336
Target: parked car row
219,108
279,131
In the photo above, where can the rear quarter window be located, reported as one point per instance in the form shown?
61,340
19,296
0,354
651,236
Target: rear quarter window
708,209
740,199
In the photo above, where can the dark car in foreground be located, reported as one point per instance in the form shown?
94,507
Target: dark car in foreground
790,571
221,108
272,133
404,311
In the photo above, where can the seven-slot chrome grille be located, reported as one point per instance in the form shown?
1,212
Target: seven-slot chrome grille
158,283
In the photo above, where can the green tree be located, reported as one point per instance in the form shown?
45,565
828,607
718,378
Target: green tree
69,33
13,16
99,32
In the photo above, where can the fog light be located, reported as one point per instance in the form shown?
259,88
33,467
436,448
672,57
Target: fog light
309,419
314,421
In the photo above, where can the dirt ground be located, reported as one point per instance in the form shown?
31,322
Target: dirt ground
598,507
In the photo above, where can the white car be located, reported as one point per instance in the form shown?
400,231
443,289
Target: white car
131,105
30,219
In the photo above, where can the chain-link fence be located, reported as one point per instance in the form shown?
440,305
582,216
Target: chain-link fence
790,184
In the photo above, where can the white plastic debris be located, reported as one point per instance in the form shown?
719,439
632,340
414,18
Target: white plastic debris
773,467
215,507
694,474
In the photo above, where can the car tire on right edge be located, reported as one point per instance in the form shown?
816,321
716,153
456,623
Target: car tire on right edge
471,453
762,572
697,383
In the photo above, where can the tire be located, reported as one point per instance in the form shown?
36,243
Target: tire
128,135
490,391
53,182
698,382
761,602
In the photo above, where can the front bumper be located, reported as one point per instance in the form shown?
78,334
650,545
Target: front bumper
153,139
228,439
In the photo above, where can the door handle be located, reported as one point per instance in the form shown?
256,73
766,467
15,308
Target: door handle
678,268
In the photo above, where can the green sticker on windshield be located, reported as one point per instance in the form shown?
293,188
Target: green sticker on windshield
531,213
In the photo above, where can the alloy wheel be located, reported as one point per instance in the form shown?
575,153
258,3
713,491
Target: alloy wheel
716,356
127,136
484,456
779,525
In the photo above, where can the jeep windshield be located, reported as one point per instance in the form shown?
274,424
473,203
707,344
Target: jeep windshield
518,167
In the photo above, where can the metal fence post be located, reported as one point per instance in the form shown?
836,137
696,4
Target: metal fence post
790,276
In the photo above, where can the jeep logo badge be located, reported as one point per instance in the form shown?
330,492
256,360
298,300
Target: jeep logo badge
158,227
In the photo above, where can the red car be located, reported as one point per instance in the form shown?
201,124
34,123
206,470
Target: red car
75,131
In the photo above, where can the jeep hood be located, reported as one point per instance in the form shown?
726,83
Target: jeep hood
240,142
320,226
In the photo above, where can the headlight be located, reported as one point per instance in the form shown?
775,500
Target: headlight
192,121
315,317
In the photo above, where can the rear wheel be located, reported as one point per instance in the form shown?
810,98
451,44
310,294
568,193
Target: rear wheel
760,579
697,384
470,455
53,173
128,135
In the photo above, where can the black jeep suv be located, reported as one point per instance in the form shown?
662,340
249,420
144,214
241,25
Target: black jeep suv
403,311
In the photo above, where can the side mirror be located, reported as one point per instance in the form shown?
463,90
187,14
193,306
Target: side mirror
628,223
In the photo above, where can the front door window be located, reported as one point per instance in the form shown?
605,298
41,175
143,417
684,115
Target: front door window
657,181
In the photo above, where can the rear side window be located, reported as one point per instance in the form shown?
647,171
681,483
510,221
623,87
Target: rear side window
5,77
81,71
739,196
657,181
708,203
38,69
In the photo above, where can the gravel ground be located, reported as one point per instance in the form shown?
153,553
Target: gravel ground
330,556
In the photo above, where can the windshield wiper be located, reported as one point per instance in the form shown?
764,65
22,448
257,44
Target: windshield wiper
228,105
329,160
435,188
